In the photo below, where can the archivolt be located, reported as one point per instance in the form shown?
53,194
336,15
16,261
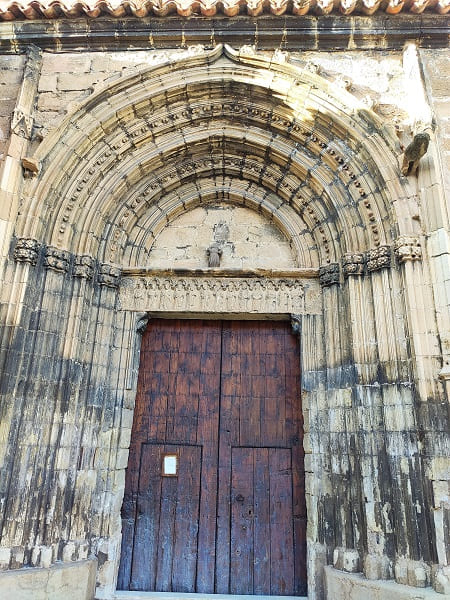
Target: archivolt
212,127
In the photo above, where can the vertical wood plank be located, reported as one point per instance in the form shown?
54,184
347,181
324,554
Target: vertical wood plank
242,516
281,522
184,563
207,435
262,562
146,541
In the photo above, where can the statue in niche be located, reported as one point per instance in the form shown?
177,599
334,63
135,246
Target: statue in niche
214,253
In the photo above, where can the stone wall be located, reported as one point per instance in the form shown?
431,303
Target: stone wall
314,183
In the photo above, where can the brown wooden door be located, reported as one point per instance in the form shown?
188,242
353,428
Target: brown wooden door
224,398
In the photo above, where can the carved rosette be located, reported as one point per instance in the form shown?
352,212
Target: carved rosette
379,258
84,267
57,260
329,274
109,276
353,264
27,250
407,247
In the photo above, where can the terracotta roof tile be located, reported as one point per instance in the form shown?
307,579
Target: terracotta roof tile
55,9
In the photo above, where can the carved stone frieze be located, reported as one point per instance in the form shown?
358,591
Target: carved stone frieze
109,276
353,264
27,250
57,260
407,247
379,258
329,274
239,295
83,267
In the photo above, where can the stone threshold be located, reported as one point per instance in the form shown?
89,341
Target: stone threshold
122,595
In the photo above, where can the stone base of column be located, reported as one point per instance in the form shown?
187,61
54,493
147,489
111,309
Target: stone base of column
74,581
354,586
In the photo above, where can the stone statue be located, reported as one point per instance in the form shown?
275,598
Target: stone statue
414,152
214,252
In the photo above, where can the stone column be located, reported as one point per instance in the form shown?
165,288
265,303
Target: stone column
432,414
366,408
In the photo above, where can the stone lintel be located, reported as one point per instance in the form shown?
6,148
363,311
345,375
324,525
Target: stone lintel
220,295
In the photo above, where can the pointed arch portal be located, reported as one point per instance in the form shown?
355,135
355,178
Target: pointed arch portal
219,128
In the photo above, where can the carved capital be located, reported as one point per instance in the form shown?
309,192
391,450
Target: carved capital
379,258
84,267
57,260
329,274
109,275
353,264
27,250
407,247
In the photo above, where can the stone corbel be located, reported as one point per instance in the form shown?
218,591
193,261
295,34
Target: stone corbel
329,275
353,264
408,248
142,320
27,250
296,324
379,258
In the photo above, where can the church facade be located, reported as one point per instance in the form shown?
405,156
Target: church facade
224,302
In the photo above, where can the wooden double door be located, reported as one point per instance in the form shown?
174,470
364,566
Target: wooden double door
214,499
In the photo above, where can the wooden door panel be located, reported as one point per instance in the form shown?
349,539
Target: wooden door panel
226,396
262,534
167,521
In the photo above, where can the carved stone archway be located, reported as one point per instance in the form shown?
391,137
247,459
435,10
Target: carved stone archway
282,141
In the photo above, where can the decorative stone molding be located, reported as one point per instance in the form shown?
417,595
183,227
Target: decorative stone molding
109,276
329,274
84,267
379,258
57,260
235,295
407,247
27,250
353,264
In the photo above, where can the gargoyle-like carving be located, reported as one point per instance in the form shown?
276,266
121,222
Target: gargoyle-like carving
214,253
31,167
414,152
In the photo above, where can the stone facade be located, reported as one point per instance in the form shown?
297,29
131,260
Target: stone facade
118,171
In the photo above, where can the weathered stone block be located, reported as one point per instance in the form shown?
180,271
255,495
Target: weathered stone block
75,581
